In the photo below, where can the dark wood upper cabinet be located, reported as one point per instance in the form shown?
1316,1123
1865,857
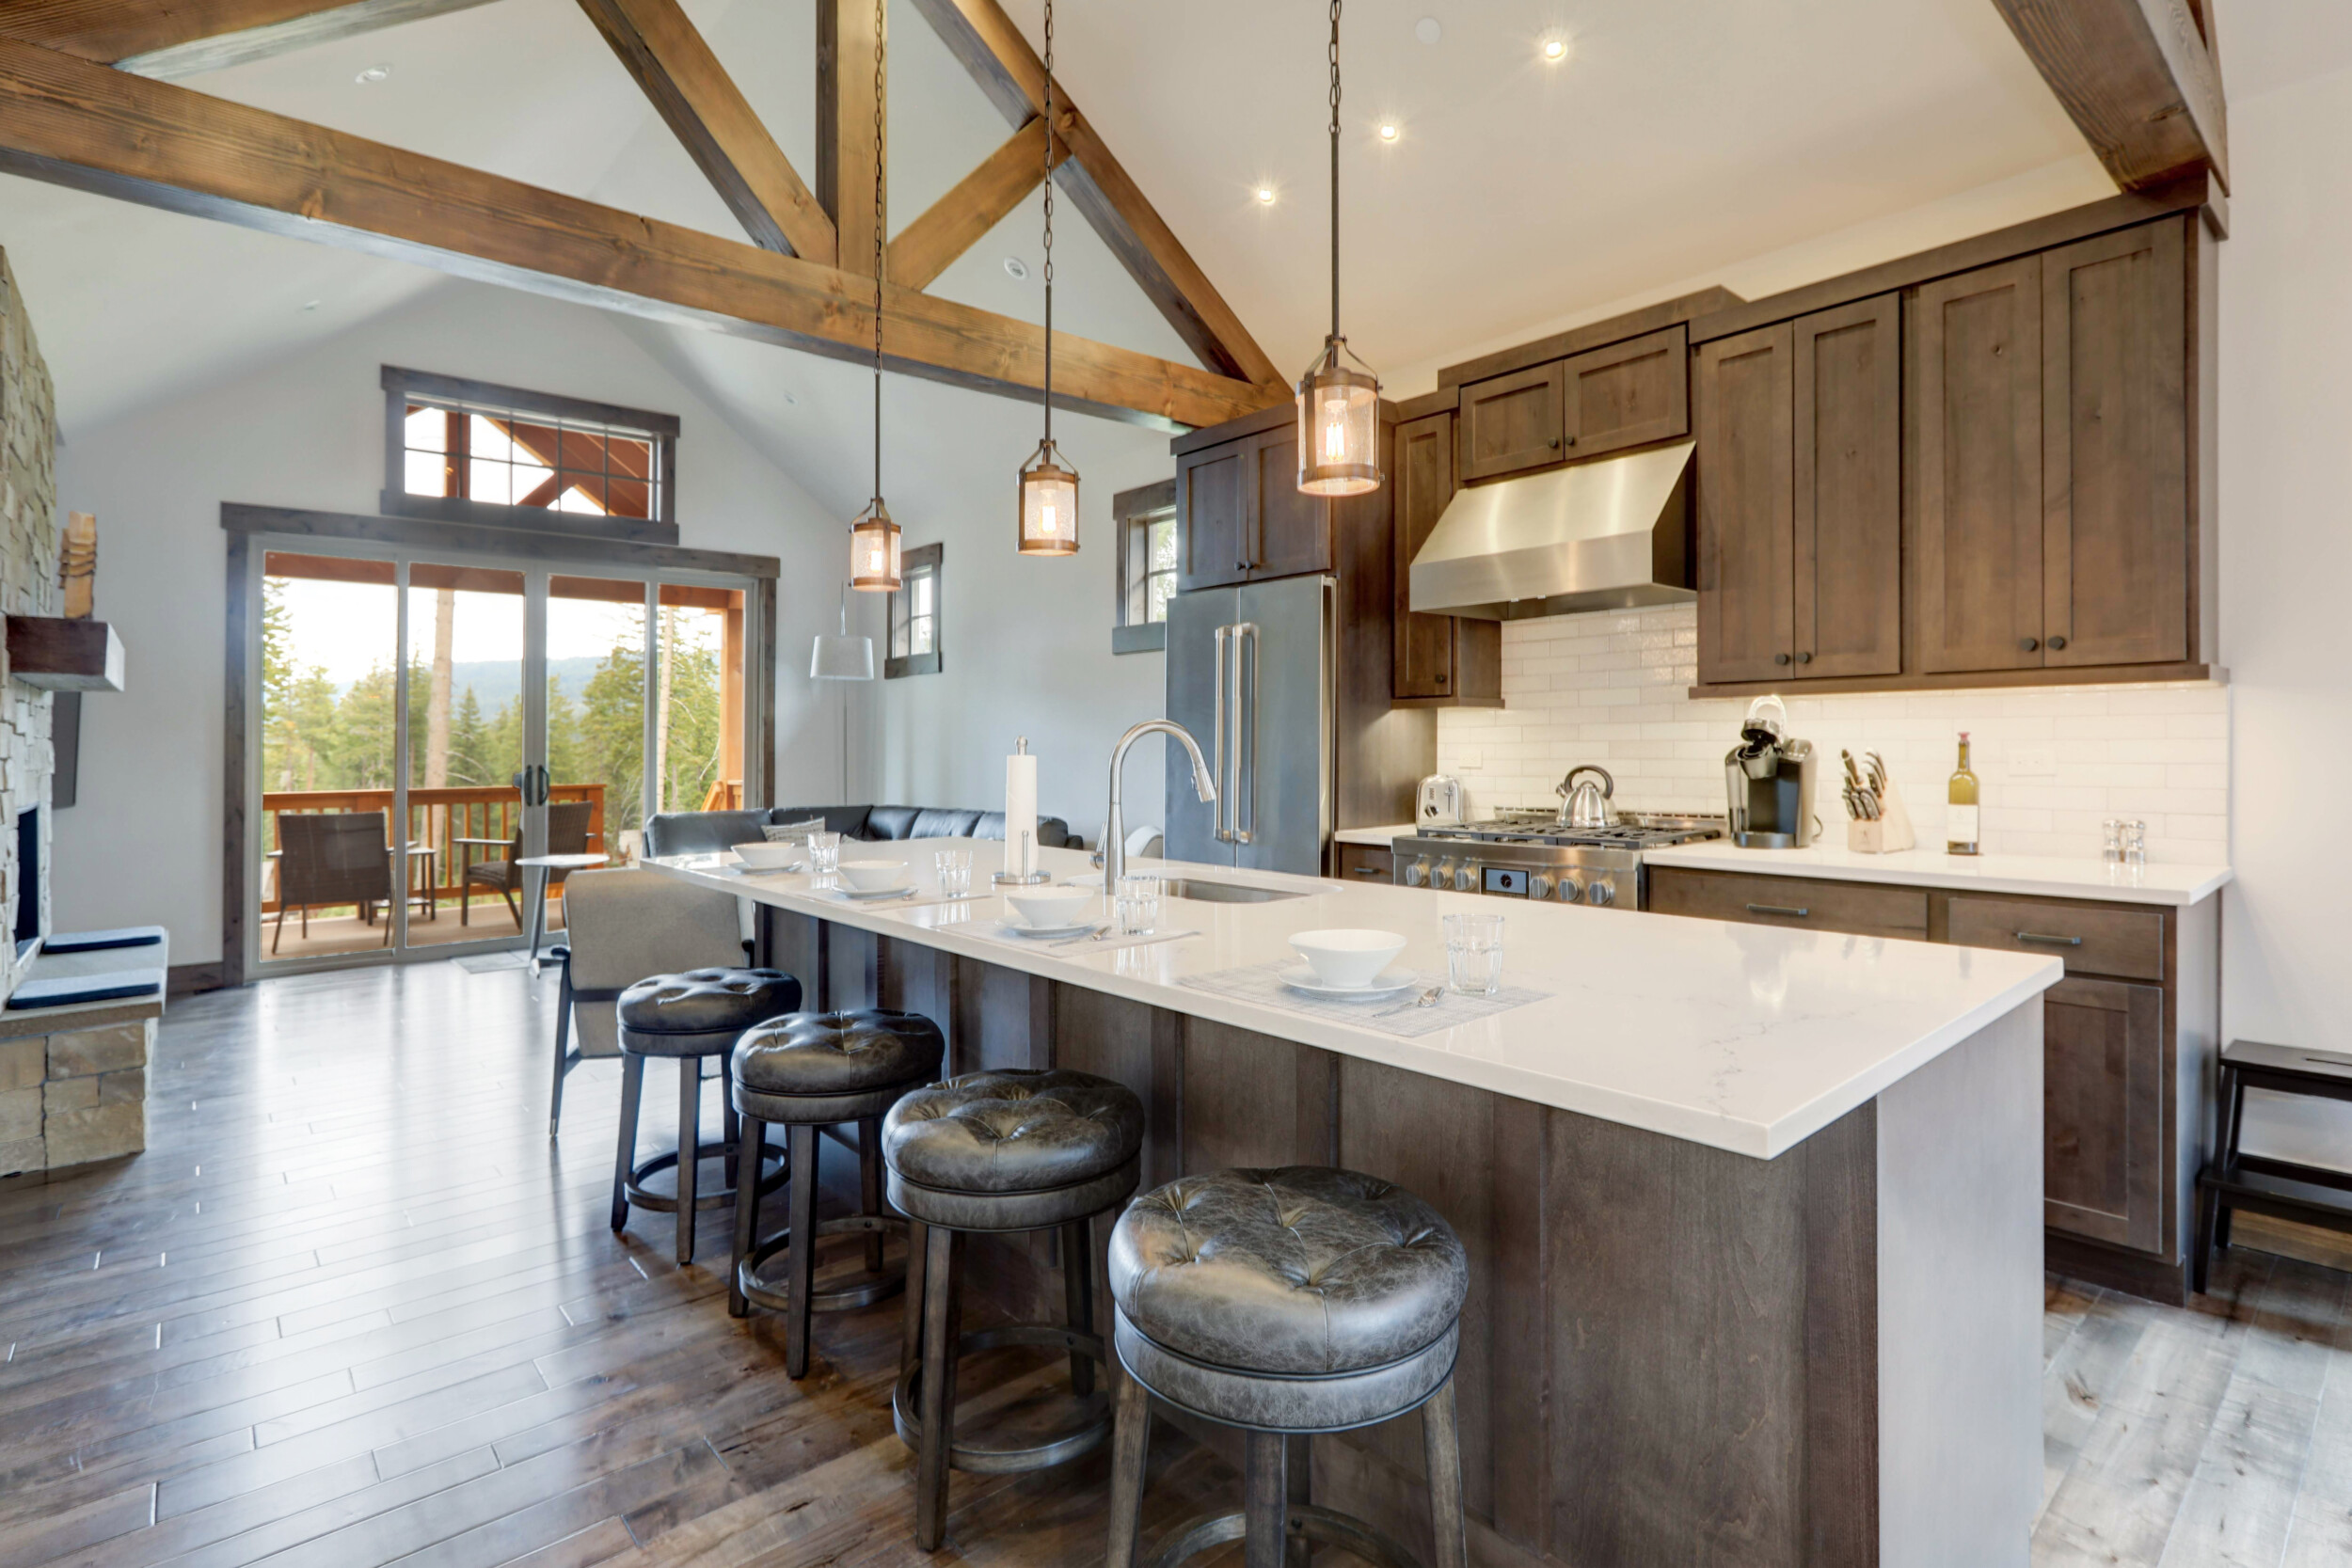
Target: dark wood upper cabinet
1513,422
1212,493
2114,450
2104,1093
1425,483
1977,380
1848,519
1629,394
1747,601
1290,531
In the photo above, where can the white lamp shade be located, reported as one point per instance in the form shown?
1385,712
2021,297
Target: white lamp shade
841,658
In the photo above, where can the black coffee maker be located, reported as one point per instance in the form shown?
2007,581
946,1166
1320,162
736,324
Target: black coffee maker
1767,782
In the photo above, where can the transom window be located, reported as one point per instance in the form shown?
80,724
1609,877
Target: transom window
914,617
473,452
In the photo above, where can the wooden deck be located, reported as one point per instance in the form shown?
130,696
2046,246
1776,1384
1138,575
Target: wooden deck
353,1307
345,932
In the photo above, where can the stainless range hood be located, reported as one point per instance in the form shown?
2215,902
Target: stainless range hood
1611,534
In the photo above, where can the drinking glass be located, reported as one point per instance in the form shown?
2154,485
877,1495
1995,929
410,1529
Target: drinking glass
1135,905
1473,954
955,872
824,853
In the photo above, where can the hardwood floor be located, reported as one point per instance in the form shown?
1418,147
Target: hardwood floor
353,1307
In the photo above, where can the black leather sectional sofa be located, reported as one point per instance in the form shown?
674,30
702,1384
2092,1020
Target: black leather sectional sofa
702,832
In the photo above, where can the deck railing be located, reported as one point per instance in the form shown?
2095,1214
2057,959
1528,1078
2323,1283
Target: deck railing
436,817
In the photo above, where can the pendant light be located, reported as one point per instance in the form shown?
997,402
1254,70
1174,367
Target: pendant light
841,657
1048,523
874,547
1339,407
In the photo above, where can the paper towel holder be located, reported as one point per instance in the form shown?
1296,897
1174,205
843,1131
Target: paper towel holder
1027,875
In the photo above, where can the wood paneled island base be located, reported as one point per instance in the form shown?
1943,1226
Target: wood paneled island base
1673,1353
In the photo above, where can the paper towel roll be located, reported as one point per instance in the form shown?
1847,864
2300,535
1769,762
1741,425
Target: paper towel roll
1020,808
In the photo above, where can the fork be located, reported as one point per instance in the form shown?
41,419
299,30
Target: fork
1427,999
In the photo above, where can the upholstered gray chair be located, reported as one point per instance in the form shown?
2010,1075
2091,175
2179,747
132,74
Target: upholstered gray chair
621,926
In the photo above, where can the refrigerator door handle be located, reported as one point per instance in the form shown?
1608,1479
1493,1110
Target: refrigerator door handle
1246,647
1216,727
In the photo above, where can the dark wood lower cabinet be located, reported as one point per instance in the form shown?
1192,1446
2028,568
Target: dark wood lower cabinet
1362,863
2103,1112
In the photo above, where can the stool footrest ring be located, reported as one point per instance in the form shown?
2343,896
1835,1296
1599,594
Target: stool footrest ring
717,1198
1302,1522
861,1288
974,1459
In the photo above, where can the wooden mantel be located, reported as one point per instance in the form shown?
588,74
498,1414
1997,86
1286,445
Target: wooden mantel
60,655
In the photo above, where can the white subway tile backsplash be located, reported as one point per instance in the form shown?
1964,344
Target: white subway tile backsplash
1610,688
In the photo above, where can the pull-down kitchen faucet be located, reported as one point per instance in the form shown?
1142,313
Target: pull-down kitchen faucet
1114,835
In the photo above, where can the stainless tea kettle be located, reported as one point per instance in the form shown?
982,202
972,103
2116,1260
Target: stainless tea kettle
1586,804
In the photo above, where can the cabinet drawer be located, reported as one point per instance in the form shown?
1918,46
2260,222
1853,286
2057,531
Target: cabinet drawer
1363,862
2092,941
1796,902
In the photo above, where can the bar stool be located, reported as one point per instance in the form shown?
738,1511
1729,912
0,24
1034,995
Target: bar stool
809,1073
1286,1302
2282,1189
1008,1151
687,1017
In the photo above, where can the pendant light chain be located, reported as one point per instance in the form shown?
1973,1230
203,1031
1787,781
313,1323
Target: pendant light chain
1338,403
881,48
1335,167
1046,518
1049,222
874,539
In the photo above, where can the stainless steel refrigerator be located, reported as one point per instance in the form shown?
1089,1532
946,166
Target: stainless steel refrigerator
1251,672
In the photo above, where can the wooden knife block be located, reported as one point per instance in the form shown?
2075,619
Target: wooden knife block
1890,833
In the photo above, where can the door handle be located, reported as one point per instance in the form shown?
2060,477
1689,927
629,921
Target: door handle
1217,739
1245,650
1793,910
2049,941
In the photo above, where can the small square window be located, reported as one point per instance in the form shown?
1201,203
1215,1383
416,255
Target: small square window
914,617
1145,522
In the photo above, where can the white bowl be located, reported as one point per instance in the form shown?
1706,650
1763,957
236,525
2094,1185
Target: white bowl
873,876
1048,906
1346,959
765,856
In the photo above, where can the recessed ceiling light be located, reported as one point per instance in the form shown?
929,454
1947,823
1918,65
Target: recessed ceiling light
1266,196
1427,30
1389,131
1555,50
790,402
1016,268
310,304
374,74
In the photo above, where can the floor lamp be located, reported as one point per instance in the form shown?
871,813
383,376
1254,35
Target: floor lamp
839,656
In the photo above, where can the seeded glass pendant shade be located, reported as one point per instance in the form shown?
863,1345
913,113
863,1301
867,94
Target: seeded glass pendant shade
874,550
1049,486
1339,403
841,657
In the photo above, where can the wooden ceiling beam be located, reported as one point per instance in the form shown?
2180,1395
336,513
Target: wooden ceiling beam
849,157
169,40
69,123
2139,79
978,33
701,104
981,200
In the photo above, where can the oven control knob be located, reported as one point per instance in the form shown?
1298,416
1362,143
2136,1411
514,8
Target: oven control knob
1571,890
1602,893
1466,880
1417,874
1538,885
1443,876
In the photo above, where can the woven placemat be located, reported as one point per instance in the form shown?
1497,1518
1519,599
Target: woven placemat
1392,1015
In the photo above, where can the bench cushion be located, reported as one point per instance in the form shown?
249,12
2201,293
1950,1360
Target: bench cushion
92,941
66,990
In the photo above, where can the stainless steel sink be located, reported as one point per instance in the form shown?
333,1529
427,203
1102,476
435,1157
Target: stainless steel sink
1225,892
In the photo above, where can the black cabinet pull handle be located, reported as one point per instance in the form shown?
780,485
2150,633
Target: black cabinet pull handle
1780,658
2056,642
1793,910
1371,871
2028,644
1804,659
2049,941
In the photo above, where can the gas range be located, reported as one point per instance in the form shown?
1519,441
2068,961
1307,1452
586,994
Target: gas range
1534,855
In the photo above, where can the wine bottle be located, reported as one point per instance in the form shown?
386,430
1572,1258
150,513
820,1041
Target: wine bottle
1960,822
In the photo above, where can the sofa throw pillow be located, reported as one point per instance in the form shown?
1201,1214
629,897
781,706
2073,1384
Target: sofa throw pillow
791,832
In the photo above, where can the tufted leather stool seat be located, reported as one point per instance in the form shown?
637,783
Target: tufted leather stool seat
808,1072
1015,1148
1296,1300
689,1017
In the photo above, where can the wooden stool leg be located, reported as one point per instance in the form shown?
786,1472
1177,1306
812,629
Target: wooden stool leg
1131,1440
2233,1126
1299,1470
911,1341
938,1403
689,1140
801,1259
1078,1295
633,1090
730,1127
1442,1446
870,1185
1266,1499
754,1139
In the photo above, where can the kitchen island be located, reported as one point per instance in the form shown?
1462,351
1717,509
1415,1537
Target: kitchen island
1754,1215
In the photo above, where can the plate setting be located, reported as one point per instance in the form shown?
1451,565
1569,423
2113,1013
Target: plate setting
898,892
1387,983
1041,932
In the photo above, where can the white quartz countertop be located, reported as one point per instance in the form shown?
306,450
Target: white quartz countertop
2045,875
1745,1037
1379,837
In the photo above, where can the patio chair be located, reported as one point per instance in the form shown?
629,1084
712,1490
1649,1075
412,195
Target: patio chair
329,858
621,926
567,834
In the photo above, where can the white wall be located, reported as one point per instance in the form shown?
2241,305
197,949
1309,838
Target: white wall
144,842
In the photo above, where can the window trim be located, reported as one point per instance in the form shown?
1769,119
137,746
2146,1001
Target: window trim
1144,503
910,562
399,383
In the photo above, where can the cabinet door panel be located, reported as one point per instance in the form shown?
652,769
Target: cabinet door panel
1212,509
2103,1112
1848,511
1629,394
2115,482
1291,531
1425,483
1744,392
1516,422
1978,402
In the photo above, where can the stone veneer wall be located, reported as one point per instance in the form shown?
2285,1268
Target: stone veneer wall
73,1096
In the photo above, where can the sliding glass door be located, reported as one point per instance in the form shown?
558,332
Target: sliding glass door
427,721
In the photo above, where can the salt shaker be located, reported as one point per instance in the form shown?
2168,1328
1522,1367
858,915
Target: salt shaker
2135,842
2113,829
